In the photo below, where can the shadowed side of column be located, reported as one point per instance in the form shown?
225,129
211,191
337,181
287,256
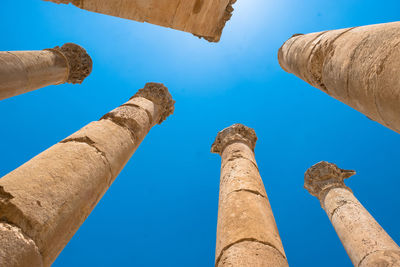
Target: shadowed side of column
50,196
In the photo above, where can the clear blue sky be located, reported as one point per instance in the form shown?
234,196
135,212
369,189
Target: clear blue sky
162,209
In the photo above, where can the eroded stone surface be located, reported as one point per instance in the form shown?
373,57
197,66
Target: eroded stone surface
50,196
246,232
251,254
25,71
358,66
79,62
365,241
235,133
158,94
16,249
203,18
323,176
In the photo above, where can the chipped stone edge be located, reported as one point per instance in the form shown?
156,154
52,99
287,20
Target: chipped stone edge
228,12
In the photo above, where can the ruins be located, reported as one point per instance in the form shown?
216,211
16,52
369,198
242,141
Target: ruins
45,201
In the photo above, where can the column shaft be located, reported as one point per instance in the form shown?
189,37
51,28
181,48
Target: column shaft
365,241
362,237
25,71
50,196
358,66
203,18
247,234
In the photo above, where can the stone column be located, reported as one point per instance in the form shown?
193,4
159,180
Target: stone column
358,66
363,238
25,71
247,235
44,202
203,18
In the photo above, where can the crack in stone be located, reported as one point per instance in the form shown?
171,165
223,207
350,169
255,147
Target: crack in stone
342,203
122,123
249,191
25,236
139,107
373,252
244,240
4,196
12,215
235,157
91,143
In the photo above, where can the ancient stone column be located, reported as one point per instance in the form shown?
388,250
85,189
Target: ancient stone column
358,66
247,235
363,238
44,202
203,18
25,71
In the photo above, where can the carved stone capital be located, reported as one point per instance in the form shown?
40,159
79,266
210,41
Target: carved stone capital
235,133
79,62
324,176
158,94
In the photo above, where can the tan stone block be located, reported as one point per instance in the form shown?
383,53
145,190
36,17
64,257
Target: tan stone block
113,141
16,249
381,258
239,171
152,109
133,118
242,216
251,254
51,195
360,234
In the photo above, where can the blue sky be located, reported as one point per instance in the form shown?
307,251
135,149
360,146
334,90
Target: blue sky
162,209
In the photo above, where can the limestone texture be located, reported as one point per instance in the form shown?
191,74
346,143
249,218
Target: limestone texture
47,199
203,18
25,71
247,234
358,66
366,242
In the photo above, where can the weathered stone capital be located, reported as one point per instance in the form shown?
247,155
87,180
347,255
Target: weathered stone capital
235,133
79,62
324,176
158,94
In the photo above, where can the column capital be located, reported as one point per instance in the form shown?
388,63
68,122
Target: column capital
324,176
158,94
79,62
235,133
